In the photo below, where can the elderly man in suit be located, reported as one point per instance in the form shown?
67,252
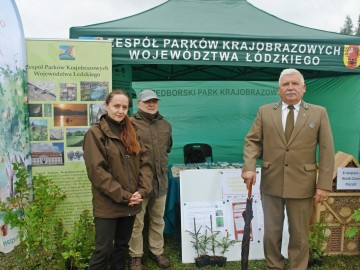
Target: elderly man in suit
285,136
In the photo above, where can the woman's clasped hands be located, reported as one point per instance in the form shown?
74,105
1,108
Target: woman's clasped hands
136,198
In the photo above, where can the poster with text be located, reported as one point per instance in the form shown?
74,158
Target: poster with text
68,81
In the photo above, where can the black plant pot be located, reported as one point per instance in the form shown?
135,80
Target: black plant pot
202,261
218,261
315,262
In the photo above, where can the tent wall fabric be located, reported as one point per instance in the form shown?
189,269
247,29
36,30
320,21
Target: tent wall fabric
221,113
187,46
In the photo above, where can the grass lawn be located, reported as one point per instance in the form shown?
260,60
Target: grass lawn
173,250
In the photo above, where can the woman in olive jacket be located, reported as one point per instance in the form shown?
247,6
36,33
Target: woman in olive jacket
120,173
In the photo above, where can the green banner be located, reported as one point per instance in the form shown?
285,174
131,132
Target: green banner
221,113
301,54
66,90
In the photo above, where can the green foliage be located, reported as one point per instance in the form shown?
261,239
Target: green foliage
225,244
351,232
317,238
196,236
213,236
173,251
44,243
80,244
40,230
204,243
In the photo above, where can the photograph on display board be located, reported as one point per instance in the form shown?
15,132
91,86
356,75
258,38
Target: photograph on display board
94,91
48,110
95,112
74,155
56,134
41,91
75,137
38,129
70,114
219,220
35,110
47,154
68,91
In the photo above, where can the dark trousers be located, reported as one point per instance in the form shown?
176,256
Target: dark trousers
111,243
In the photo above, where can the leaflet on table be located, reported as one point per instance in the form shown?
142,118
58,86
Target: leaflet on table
176,168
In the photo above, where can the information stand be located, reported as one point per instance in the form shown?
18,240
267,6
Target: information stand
221,194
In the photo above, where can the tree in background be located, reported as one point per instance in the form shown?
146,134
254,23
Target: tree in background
357,31
348,26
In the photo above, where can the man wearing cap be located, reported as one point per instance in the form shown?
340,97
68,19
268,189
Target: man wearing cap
156,135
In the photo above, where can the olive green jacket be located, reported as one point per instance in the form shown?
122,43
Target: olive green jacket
156,135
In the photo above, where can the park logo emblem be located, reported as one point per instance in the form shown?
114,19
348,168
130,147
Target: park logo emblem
67,52
351,56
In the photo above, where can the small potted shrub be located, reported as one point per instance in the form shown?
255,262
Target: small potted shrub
199,243
224,246
214,259
204,242
317,238
204,258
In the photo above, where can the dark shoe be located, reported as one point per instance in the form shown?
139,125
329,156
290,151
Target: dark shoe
135,263
161,260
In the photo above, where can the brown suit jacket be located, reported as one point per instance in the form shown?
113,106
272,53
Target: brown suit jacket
289,170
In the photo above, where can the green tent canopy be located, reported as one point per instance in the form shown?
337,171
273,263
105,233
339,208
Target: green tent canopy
214,62
219,40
